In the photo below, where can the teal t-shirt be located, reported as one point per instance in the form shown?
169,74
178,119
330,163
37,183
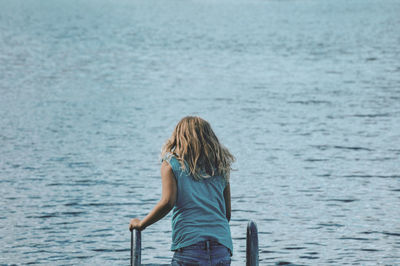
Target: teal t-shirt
199,212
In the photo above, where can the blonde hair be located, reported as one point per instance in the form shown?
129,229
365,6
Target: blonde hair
195,145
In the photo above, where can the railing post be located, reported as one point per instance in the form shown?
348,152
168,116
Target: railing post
136,247
252,244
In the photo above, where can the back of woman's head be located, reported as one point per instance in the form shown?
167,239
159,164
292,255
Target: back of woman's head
194,142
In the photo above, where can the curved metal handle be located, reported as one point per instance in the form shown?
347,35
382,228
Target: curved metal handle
252,244
136,247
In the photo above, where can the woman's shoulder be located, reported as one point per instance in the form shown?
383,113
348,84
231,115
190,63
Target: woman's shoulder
168,157
172,160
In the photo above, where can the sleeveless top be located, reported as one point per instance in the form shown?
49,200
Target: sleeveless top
199,212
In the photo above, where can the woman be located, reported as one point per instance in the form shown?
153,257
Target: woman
195,184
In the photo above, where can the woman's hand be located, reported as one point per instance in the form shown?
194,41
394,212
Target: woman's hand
135,224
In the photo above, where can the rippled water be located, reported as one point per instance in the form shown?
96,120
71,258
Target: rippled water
306,94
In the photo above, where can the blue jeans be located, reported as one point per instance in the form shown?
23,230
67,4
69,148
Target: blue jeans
204,253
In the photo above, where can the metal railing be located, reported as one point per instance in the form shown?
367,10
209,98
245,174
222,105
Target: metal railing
251,246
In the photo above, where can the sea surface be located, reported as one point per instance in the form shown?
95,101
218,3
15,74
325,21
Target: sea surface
305,94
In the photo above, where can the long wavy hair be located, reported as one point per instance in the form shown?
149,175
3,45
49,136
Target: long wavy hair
195,145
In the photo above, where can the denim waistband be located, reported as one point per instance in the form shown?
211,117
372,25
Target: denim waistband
206,245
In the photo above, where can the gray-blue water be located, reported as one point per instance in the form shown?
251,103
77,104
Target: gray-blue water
305,93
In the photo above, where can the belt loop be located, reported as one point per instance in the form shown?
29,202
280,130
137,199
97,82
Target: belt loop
208,245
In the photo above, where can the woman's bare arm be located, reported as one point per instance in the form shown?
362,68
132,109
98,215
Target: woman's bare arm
227,197
166,203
